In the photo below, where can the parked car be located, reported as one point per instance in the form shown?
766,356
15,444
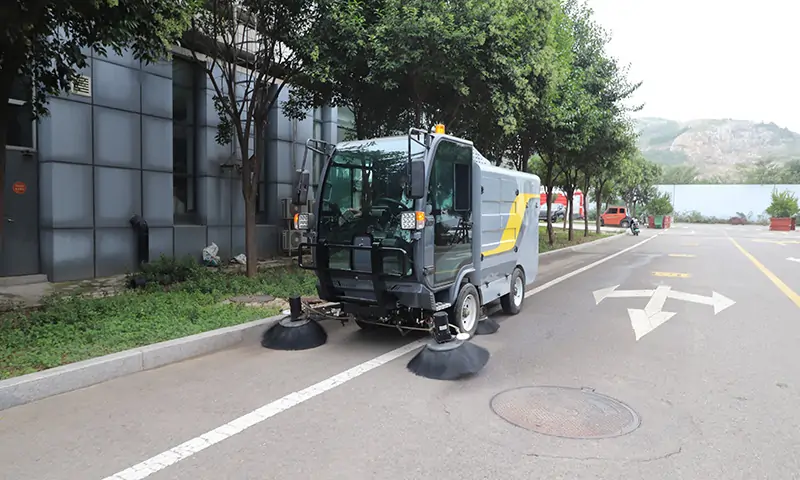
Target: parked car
615,216
557,212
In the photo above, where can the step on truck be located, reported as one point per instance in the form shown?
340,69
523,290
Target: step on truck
406,227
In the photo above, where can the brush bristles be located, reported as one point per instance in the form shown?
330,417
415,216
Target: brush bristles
463,360
288,335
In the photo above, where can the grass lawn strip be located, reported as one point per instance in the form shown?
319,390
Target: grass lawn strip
68,328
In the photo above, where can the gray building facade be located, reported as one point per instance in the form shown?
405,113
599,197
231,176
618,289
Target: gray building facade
139,139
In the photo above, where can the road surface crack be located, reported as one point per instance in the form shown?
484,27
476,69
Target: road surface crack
600,459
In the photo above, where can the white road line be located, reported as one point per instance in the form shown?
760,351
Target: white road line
560,279
187,449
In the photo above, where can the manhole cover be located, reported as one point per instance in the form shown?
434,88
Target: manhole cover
565,412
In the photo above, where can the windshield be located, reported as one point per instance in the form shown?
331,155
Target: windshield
364,193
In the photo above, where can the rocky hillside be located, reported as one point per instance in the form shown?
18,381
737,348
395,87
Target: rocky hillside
715,146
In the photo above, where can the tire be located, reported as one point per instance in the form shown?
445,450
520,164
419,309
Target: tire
513,300
468,301
624,224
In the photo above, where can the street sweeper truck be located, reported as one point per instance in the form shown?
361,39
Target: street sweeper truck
415,232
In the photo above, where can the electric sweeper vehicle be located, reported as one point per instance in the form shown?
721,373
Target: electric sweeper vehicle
417,232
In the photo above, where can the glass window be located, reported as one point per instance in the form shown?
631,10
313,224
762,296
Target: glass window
186,78
452,167
19,132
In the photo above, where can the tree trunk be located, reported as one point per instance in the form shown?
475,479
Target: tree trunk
598,199
548,191
570,211
586,186
250,243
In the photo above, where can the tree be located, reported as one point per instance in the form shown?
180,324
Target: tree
253,48
42,43
615,141
637,181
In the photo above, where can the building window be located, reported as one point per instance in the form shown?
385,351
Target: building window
20,131
186,77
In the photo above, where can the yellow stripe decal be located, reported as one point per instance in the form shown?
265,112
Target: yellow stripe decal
511,232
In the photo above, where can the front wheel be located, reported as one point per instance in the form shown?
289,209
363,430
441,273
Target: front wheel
512,301
464,314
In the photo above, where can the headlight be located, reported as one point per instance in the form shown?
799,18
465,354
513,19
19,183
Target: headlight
302,221
412,220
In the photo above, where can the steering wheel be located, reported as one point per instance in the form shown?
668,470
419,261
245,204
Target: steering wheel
392,202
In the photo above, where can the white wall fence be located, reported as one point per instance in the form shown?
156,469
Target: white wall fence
724,201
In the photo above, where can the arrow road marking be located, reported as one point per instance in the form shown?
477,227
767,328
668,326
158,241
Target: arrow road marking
644,321
716,300
792,259
643,324
602,294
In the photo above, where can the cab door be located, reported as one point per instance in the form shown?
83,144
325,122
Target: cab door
449,202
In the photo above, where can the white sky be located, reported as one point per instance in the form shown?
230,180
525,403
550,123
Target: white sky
709,58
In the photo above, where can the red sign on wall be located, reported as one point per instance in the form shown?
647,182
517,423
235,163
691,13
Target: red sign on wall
19,188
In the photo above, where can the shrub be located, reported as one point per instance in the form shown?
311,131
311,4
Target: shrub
659,205
784,204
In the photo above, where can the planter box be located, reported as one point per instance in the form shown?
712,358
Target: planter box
659,221
782,224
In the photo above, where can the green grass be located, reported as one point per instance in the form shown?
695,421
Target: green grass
562,237
68,329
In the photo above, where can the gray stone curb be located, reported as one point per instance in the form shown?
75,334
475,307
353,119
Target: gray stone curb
583,245
36,386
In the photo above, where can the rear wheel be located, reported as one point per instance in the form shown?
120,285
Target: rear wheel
512,301
624,224
464,314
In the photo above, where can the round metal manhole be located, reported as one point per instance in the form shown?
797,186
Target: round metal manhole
565,412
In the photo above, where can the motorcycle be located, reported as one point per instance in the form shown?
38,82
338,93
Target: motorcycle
634,227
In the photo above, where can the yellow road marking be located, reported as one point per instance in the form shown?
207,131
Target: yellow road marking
682,255
793,296
671,274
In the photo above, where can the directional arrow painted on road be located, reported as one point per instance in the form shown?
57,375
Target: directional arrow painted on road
792,259
644,321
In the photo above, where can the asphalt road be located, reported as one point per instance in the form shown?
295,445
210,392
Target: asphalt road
714,396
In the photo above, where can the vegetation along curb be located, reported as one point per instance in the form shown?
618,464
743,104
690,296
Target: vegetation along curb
583,245
36,386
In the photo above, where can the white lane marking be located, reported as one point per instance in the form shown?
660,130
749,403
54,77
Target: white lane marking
187,449
560,279
195,445
792,259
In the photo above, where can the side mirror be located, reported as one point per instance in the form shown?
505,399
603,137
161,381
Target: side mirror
417,180
300,196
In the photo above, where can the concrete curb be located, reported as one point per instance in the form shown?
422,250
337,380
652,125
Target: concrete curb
36,386
584,245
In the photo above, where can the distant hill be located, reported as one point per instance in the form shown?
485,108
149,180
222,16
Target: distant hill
714,147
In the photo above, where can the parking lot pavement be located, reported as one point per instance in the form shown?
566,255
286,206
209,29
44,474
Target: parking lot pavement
709,376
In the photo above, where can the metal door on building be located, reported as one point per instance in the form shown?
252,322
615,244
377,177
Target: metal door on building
20,254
